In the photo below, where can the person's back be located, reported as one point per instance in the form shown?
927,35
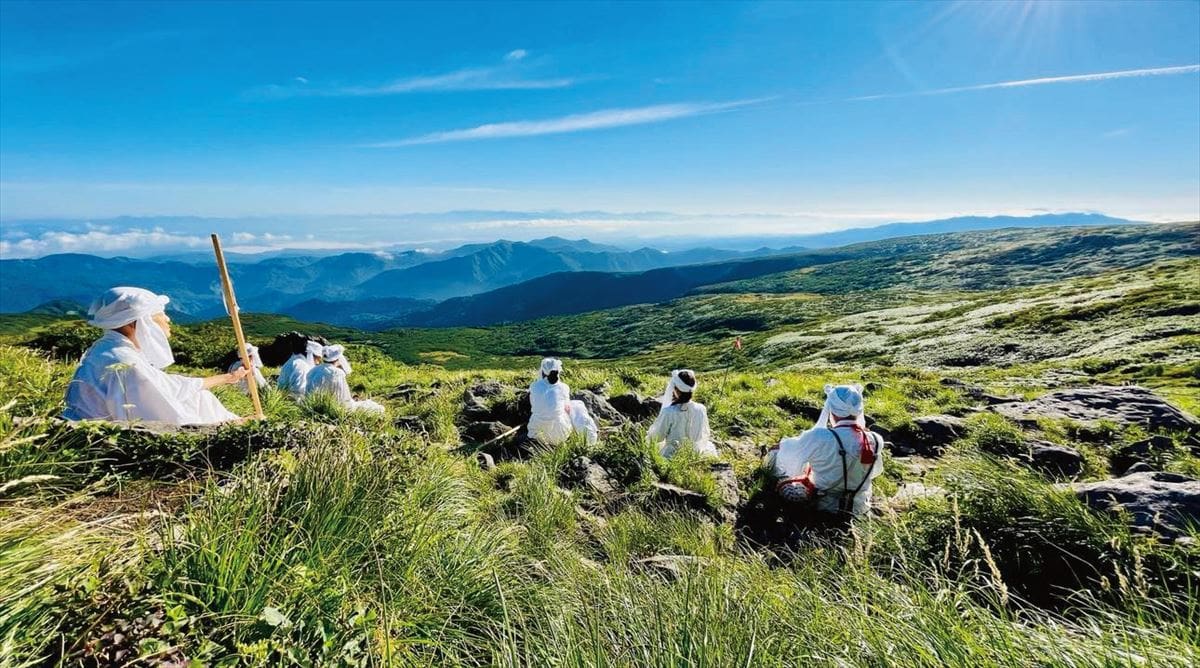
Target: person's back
293,375
683,423
822,450
326,377
97,378
549,421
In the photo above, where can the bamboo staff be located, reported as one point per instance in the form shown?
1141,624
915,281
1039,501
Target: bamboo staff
232,307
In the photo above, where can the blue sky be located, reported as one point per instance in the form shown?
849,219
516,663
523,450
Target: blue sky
817,115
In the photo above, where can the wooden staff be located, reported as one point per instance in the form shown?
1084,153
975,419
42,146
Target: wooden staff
232,307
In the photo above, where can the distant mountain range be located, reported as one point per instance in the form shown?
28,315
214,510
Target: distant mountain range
471,284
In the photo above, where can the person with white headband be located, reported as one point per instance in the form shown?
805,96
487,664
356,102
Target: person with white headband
330,377
681,421
293,375
555,416
255,363
121,376
834,462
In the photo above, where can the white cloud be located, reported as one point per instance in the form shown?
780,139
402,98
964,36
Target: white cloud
1044,81
595,120
511,74
1118,132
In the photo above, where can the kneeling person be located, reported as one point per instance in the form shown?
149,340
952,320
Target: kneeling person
834,462
293,375
330,377
255,363
121,376
555,416
681,420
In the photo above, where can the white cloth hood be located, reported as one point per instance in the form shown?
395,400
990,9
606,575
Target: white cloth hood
676,383
120,306
312,349
842,401
252,353
550,364
332,353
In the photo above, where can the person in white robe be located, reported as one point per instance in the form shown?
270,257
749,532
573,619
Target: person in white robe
121,377
555,416
293,375
330,377
681,421
256,363
834,462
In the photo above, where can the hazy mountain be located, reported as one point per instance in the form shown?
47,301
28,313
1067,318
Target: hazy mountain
368,314
994,259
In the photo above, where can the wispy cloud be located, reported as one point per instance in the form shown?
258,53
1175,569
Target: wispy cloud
1044,81
513,73
1118,132
595,120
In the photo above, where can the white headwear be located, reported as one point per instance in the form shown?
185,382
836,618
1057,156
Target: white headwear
331,354
550,364
676,383
252,353
120,306
312,349
843,401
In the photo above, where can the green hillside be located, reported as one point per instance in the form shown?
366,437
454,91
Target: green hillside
321,537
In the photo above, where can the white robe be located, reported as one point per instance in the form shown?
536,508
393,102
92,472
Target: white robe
682,423
258,377
294,374
116,382
332,379
819,449
555,417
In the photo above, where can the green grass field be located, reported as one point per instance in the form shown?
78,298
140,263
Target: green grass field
319,537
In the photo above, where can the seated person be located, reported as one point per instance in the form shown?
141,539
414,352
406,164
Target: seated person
121,376
555,417
681,420
255,363
294,373
834,462
330,378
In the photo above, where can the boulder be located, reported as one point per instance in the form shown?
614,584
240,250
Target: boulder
635,407
926,436
599,407
583,472
1149,451
912,492
1127,405
727,490
799,406
1140,467
486,461
1055,460
1163,502
486,388
403,391
474,410
484,432
279,350
978,393
515,411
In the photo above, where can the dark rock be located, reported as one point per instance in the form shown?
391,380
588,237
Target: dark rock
926,436
727,490
1163,502
409,422
800,406
403,391
1124,405
978,393
279,350
484,432
515,411
1055,460
635,407
1140,467
583,472
486,388
599,407
486,461
474,410
673,495
1153,450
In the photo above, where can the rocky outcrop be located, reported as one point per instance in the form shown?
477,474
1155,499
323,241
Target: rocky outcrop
1123,405
1055,460
1150,451
1164,503
925,436
484,432
977,393
635,406
799,406
599,407
583,472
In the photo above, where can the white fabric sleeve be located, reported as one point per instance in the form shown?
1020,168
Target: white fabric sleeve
141,392
705,433
342,388
657,431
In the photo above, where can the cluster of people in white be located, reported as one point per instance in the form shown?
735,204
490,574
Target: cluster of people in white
681,421
329,376
554,415
834,462
121,376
